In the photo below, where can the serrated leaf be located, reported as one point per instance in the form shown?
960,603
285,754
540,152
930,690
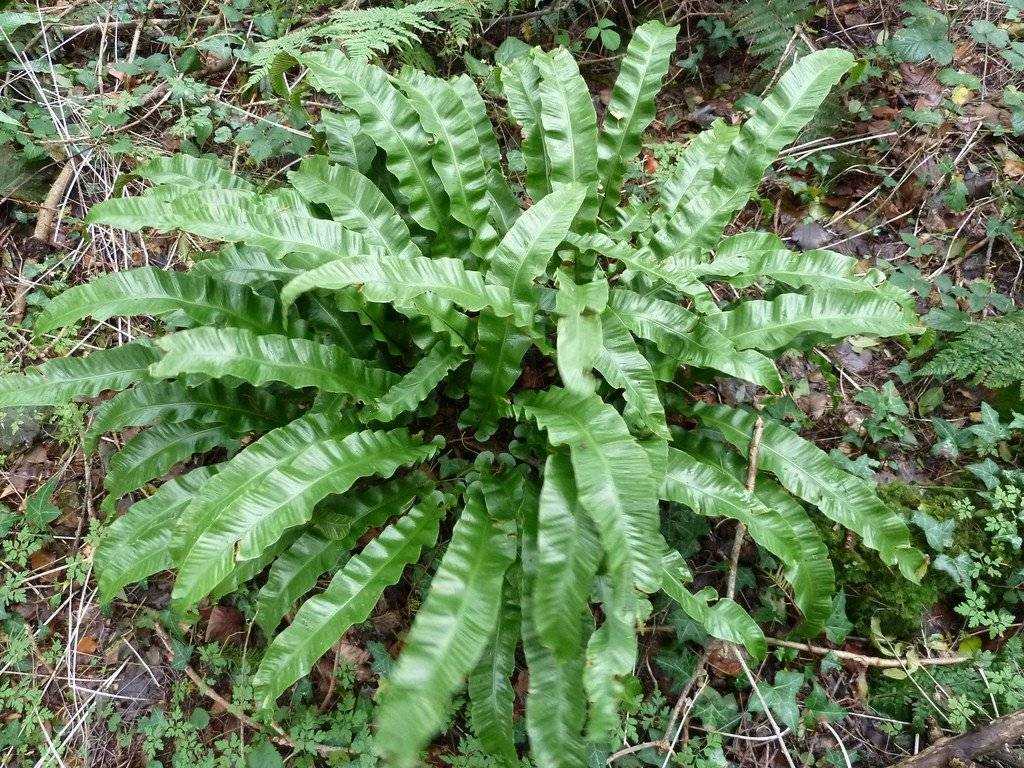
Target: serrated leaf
59,381
449,634
348,600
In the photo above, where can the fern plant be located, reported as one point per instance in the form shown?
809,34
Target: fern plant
986,352
353,319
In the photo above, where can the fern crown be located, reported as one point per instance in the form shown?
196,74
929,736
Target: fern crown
354,315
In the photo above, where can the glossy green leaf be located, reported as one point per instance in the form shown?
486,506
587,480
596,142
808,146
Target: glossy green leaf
520,81
622,365
491,695
59,381
416,385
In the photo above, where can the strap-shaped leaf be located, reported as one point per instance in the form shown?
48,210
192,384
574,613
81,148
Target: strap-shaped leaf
491,695
416,385
614,479
449,634
457,157
578,332
568,553
387,280
693,171
569,125
725,619
354,202
152,453
251,568
136,545
784,529
750,255
60,381
662,322
808,472
523,254
245,266
348,600
707,347
556,707
386,117
772,324
232,216
153,291
212,402
611,654
253,514
337,526
778,119
504,208
188,172
520,81
624,367
631,107
261,359
499,353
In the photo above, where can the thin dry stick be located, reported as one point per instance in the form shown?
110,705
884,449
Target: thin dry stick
764,706
869,661
741,529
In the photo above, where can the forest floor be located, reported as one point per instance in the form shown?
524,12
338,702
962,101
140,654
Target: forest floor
914,168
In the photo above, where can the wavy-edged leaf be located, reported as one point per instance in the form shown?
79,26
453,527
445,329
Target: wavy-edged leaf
768,325
707,347
136,545
232,216
253,515
784,529
259,359
700,219
152,453
661,322
325,544
555,702
497,365
212,402
624,367
520,82
568,553
725,619
578,331
807,472
154,291
389,119
457,157
505,208
188,172
611,654
356,203
523,254
569,125
631,106
245,266
251,568
59,381
449,634
416,385
348,600
491,695
614,479
694,168
387,280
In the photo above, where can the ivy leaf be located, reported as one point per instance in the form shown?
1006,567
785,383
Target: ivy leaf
939,533
818,705
780,697
838,626
39,509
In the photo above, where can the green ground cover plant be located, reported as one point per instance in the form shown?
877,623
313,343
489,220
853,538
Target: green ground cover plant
407,351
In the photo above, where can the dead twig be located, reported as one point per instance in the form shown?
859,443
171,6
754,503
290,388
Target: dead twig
961,750
48,210
741,529
869,661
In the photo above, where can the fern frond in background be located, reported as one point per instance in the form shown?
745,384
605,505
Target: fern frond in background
770,25
989,352
368,32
